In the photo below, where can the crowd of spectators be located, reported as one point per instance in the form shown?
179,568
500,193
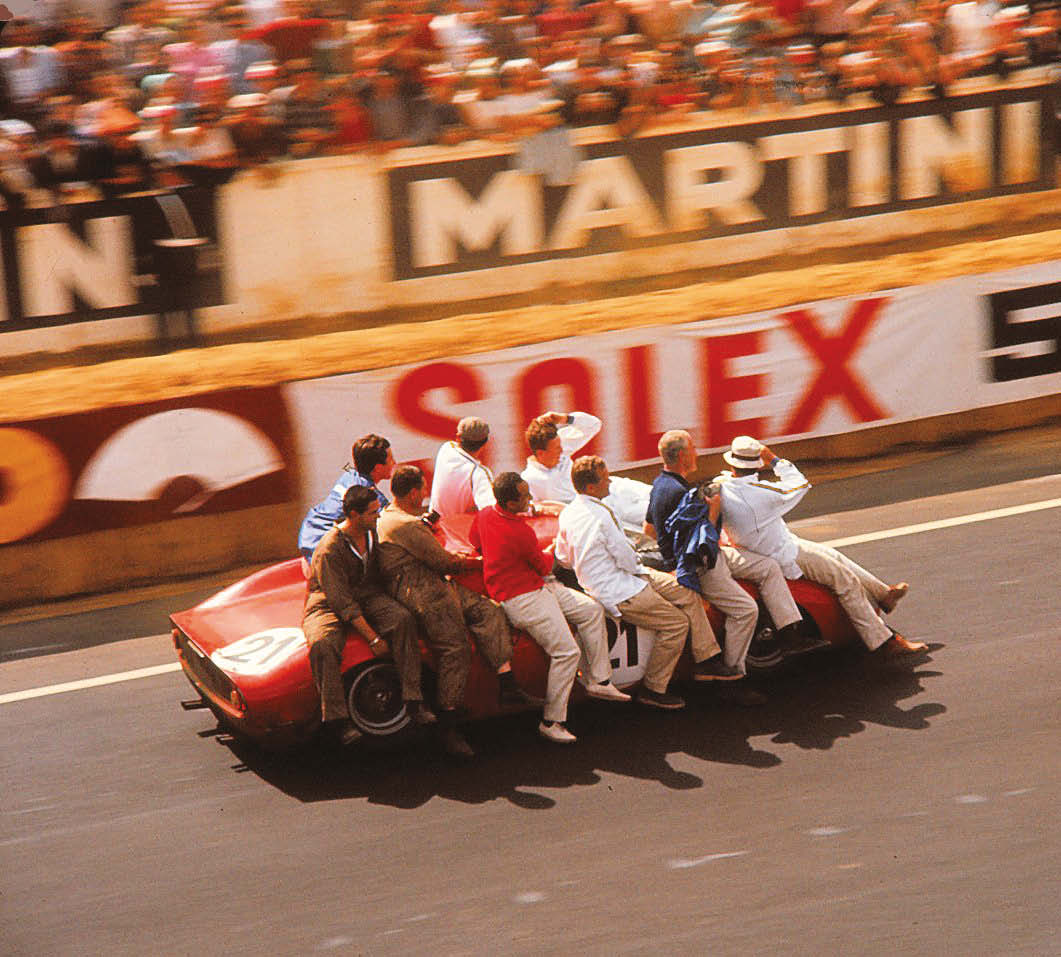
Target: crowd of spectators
192,90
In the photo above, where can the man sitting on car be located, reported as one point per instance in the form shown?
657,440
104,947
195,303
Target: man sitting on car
755,509
345,591
517,573
591,541
462,483
415,567
718,583
553,438
373,462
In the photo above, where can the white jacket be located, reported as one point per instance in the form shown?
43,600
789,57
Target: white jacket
592,542
753,510
628,498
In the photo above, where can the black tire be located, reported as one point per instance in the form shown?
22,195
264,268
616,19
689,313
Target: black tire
374,696
764,653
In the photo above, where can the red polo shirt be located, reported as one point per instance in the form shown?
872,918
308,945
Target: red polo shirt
513,564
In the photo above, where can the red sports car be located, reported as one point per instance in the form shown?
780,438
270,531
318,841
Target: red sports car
244,653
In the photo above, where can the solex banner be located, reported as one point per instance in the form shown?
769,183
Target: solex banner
822,368
668,188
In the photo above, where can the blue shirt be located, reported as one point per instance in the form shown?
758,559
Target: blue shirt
322,517
667,492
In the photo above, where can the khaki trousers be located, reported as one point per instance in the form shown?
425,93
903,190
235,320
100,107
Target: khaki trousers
858,592
544,615
737,605
327,639
767,576
672,612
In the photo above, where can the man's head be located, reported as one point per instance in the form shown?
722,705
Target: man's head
472,434
361,507
373,457
408,487
589,475
745,455
678,452
511,492
543,440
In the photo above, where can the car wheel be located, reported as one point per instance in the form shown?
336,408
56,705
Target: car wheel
375,699
764,653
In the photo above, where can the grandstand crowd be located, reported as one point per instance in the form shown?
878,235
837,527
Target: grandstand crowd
160,93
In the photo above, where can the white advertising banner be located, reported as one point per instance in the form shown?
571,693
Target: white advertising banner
826,367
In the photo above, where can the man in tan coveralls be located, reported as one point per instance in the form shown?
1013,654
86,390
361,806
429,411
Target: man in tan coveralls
414,566
345,591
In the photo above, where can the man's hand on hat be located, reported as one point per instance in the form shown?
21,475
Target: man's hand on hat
768,457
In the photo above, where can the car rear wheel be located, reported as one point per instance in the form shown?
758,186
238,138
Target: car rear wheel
375,700
765,652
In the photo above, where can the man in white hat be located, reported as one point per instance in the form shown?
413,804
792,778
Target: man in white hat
754,510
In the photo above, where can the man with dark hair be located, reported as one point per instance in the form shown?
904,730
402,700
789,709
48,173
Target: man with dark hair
553,438
462,484
592,542
518,575
373,462
345,591
415,567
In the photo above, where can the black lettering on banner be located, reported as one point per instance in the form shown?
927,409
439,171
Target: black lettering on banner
139,220
1010,332
462,215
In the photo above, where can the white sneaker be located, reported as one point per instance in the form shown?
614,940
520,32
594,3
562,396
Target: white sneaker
606,692
556,733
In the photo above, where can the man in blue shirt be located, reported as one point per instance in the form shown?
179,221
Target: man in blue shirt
717,584
373,461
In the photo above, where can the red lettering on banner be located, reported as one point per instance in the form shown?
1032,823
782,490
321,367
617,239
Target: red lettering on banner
722,389
572,374
640,404
462,384
834,379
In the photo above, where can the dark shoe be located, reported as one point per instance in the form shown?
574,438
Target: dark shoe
739,694
342,732
455,745
513,696
420,713
715,669
659,699
794,641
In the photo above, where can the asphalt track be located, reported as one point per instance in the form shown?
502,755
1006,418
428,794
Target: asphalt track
869,808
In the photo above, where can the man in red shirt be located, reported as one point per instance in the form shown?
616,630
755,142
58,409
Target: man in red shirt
517,574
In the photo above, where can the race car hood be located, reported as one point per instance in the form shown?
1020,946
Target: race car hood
270,599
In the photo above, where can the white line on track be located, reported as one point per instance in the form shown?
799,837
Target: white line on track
945,523
835,543
14,696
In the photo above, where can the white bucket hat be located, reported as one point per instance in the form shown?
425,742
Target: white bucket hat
745,453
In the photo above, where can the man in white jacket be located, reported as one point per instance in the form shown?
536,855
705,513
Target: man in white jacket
754,510
553,439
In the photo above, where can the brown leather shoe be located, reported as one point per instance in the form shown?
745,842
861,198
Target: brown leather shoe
897,646
895,593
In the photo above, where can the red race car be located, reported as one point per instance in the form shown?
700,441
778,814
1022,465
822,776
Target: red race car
245,654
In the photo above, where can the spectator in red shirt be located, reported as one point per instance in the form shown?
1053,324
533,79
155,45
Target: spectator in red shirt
517,574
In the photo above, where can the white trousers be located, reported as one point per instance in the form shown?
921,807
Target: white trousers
544,615
858,591
767,576
740,609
